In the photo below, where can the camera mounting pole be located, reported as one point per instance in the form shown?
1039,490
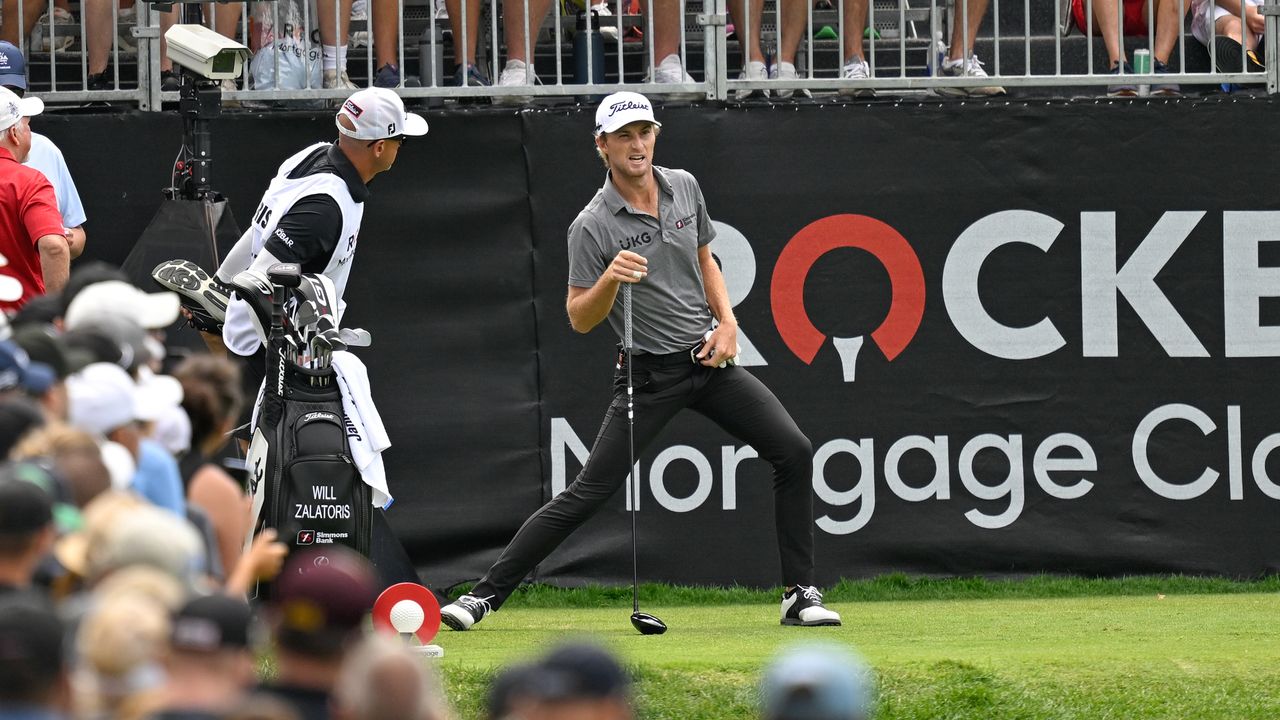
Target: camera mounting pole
204,57
199,102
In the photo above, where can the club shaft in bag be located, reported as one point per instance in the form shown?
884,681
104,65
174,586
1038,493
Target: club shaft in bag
283,277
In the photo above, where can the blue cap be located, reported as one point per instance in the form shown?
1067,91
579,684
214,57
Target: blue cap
13,67
818,682
17,370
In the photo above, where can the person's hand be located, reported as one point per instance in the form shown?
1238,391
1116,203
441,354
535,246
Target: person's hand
721,347
266,556
628,267
1254,20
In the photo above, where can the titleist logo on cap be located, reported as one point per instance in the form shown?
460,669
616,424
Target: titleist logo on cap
621,105
352,108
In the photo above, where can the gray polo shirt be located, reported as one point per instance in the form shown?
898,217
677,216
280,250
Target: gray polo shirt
669,307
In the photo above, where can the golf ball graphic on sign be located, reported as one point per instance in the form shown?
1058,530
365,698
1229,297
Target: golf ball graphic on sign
407,616
410,610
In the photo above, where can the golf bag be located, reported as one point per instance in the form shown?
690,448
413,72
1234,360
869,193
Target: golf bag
302,480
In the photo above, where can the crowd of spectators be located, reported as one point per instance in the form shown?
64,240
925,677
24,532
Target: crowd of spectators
124,585
1233,28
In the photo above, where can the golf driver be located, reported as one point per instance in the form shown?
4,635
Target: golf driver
281,278
645,623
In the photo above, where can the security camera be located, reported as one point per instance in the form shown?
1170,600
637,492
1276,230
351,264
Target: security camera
205,52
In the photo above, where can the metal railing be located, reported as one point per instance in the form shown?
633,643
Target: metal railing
909,46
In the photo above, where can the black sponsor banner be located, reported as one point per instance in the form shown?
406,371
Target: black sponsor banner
1021,338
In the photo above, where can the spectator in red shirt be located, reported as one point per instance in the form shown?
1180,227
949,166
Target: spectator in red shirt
33,241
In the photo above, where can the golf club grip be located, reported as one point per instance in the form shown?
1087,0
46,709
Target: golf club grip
626,316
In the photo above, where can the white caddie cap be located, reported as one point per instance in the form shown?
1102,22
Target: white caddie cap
377,114
623,108
14,108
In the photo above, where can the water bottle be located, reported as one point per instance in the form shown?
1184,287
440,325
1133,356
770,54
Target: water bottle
583,39
1142,66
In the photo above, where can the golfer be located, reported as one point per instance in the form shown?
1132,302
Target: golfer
648,226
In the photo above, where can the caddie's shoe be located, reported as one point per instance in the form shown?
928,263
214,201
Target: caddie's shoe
202,294
802,605
466,611
255,289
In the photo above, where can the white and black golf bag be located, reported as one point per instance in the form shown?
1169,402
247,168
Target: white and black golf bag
302,480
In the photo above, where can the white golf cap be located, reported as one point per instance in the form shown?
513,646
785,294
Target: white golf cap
14,108
623,108
114,297
377,114
101,398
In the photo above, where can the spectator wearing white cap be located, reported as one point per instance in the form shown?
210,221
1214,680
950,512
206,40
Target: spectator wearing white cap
33,239
105,400
310,215
45,155
150,311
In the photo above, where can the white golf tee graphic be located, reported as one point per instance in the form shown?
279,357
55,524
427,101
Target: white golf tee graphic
848,349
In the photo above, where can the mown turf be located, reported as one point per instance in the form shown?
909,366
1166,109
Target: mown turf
1040,648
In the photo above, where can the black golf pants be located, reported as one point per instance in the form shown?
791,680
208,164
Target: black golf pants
664,385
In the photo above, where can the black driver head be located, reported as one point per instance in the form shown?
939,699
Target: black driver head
647,624
287,274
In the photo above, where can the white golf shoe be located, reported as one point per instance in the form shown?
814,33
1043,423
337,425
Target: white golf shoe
802,605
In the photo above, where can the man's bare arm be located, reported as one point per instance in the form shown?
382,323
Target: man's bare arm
587,307
55,261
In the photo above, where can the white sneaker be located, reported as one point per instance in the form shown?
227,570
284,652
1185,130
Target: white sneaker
753,70
671,70
787,72
856,69
803,606
61,40
971,68
516,73
334,79
128,18
359,14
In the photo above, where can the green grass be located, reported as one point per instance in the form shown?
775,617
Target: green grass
1044,647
